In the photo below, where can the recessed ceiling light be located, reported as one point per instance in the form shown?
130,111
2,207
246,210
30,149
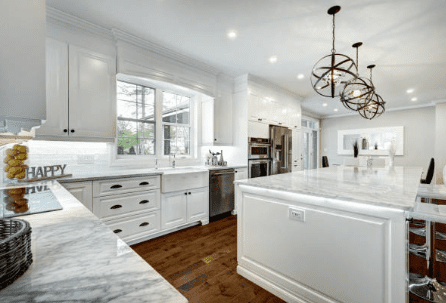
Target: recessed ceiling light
232,34
324,104
273,59
335,109
414,99
300,76
410,90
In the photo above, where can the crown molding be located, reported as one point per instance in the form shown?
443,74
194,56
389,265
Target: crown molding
57,17
430,104
120,35
263,82
439,101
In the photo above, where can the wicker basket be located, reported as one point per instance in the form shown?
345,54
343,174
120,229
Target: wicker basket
15,250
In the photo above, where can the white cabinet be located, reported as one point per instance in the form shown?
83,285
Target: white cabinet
80,84
197,204
296,150
182,207
129,206
83,191
173,209
240,173
22,64
217,120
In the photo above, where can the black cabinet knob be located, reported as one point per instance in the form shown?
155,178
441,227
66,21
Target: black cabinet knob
215,139
72,130
185,193
189,193
65,130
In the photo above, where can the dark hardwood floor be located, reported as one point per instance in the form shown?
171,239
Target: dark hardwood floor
201,263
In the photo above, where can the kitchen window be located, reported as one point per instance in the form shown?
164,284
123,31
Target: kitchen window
176,124
136,123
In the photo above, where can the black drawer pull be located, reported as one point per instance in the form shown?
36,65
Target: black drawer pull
115,186
143,183
143,224
144,202
116,206
117,231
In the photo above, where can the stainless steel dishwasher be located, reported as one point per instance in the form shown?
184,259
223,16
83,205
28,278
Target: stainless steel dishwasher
221,193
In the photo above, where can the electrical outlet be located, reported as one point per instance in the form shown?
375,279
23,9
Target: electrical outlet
85,159
296,214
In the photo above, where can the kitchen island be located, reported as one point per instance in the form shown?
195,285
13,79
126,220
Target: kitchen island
77,258
333,234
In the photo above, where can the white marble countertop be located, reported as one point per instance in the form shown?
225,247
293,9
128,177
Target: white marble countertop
77,258
432,191
395,187
114,173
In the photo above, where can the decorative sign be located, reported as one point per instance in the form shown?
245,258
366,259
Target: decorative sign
38,173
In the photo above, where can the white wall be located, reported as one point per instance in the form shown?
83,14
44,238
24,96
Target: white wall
419,139
440,140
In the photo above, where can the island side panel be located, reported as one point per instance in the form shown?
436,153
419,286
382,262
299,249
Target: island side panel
343,252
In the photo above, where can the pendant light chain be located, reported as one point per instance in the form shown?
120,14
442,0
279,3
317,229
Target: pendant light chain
333,51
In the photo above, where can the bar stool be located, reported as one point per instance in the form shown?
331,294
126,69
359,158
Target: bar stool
324,161
427,287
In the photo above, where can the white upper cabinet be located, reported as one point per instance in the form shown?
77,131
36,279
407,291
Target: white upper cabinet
22,65
56,90
217,120
81,94
92,94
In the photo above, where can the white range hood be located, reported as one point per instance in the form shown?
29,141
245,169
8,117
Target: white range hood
22,66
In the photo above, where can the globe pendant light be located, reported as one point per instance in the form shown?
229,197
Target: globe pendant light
333,71
357,93
376,105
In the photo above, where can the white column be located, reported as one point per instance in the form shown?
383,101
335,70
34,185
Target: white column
440,140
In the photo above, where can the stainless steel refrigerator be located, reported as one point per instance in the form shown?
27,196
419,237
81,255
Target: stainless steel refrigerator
281,149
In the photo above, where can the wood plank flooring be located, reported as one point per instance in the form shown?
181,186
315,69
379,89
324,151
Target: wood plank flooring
201,263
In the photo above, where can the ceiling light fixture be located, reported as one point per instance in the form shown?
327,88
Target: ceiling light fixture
336,109
410,90
333,70
273,59
324,104
300,76
357,93
232,34
414,99
376,105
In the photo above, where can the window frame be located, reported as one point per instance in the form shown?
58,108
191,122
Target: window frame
159,87
154,122
176,124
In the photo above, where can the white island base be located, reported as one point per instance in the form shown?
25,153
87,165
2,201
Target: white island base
332,250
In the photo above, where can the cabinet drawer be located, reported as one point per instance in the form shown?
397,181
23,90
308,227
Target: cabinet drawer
112,206
108,187
146,224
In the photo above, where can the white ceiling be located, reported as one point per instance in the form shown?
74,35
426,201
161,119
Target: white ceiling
406,39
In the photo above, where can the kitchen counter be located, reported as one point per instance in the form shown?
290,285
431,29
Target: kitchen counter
335,234
110,173
396,187
78,258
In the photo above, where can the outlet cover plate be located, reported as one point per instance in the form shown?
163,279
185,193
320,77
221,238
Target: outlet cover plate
85,159
296,214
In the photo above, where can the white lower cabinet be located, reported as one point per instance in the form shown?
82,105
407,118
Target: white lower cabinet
183,207
174,209
240,173
81,191
133,228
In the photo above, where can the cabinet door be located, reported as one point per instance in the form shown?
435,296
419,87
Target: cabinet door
207,113
197,205
240,174
223,119
173,209
92,94
56,90
83,191
296,151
